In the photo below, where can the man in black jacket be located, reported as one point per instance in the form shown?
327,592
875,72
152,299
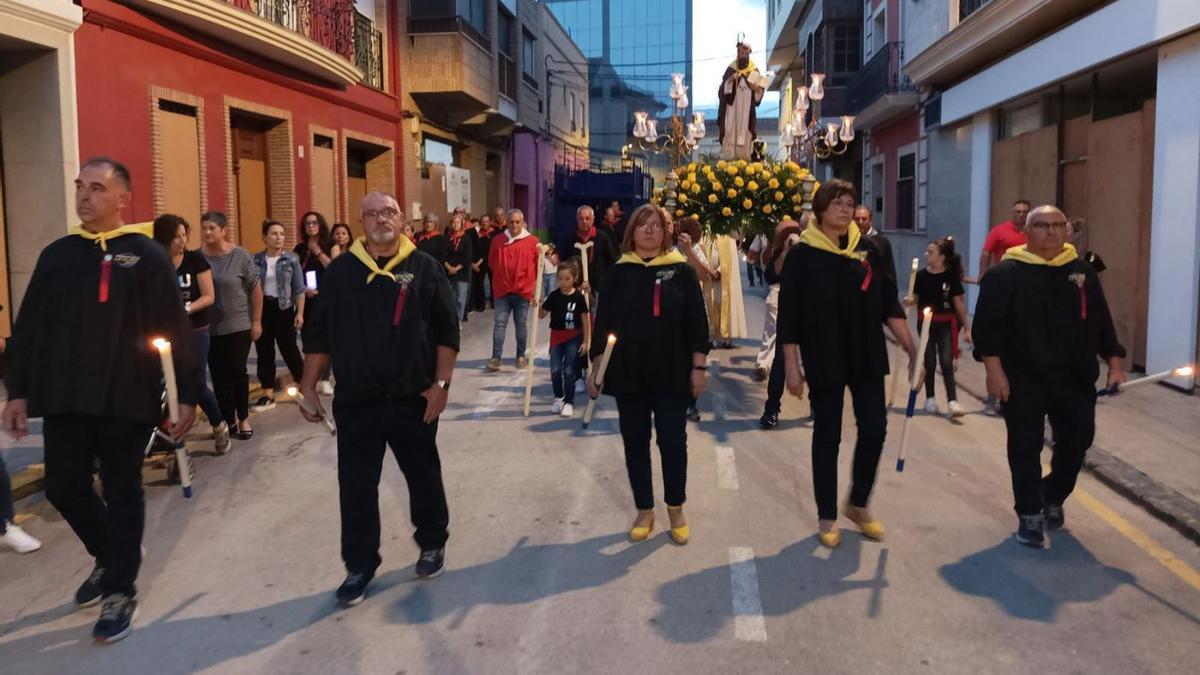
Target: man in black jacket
82,358
1040,324
386,317
601,255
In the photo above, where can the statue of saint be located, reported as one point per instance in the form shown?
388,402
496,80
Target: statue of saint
742,89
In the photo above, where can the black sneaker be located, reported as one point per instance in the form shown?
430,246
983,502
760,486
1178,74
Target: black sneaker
431,563
1053,514
1032,531
769,420
352,590
116,618
693,414
263,403
89,591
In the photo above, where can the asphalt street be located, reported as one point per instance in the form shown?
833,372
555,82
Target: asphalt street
541,579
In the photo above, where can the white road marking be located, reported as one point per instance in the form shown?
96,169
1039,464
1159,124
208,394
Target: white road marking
490,401
726,468
748,622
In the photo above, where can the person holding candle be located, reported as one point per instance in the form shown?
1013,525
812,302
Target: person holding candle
834,299
387,320
570,334
939,287
196,287
235,321
1041,321
513,260
81,357
284,296
787,235
652,304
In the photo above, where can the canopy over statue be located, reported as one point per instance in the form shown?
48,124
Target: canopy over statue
742,89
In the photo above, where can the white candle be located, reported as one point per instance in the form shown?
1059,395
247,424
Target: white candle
591,406
168,367
912,278
927,318
1185,371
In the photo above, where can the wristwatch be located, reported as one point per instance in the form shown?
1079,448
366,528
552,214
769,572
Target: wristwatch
444,384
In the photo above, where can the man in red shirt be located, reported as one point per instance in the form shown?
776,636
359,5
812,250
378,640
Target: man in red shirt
1004,236
513,260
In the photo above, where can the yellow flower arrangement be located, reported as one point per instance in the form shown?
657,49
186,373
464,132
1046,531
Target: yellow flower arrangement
721,164
712,199
741,163
747,203
739,182
691,177
727,212
778,196
716,186
683,199
789,184
751,201
696,188
767,208
731,193
774,183
753,186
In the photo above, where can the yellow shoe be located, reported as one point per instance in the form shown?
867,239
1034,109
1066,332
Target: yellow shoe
642,533
830,539
682,534
871,529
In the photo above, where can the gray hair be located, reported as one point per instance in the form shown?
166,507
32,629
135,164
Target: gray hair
583,208
380,193
430,217
516,211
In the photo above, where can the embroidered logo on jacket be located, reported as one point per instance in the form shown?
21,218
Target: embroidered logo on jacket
405,278
126,260
665,275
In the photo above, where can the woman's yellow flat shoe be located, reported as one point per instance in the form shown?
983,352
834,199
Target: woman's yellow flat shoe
871,529
681,535
830,539
641,533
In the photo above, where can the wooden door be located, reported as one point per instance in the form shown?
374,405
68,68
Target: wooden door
179,135
356,189
5,299
252,194
324,167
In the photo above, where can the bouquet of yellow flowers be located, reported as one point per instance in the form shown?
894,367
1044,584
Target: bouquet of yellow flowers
740,196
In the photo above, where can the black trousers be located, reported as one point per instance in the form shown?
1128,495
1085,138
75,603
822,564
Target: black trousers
871,416
939,350
776,381
478,302
227,367
364,434
669,413
110,528
1070,403
279,328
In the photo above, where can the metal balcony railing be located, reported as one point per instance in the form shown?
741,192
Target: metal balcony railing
452,24
333,24
880,76
968,7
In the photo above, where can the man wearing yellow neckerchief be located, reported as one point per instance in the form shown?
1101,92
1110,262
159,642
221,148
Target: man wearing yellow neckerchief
1040,323
81,357
386,318
738,98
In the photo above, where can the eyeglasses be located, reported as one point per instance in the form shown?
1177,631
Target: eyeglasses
386,214
1043,225
650,226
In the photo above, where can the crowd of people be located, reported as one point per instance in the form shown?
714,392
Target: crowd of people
380,316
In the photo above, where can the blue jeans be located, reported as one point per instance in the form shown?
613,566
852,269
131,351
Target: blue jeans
562,368
6,502
208,400
519,307
462,291
549,283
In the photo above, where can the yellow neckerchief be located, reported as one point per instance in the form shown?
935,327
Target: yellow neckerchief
671,257
814,237
145,229
359,250
750,68
1021,253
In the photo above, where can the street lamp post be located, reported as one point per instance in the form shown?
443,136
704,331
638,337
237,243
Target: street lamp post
806,136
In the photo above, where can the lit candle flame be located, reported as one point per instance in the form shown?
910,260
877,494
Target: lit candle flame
1185,371
612,338
928,311
292,391
161,344
915,264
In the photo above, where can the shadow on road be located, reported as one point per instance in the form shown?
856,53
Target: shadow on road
1031,584
696,607
527,574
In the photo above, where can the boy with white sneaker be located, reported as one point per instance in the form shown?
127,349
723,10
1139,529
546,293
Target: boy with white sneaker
11,535
570,331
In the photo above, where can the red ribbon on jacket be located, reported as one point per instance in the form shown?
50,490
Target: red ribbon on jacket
953,321
657,296
105,275
1083,303
456,239
866,280
401,298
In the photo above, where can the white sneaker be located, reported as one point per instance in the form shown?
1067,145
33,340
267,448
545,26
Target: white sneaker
557,406
325,388
20,542
931,406
956,410
567,410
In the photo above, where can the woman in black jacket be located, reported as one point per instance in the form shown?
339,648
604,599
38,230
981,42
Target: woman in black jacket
652,304
460,254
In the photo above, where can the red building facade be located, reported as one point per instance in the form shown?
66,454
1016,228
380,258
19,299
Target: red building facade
255,109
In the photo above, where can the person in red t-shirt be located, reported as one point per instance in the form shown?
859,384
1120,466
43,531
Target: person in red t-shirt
1004,236
513,260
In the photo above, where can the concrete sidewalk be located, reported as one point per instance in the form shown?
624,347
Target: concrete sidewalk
1147,445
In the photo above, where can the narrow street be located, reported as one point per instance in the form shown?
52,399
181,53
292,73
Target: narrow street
541,578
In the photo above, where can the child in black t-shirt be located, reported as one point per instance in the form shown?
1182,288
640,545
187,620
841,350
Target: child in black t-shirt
939,287
570,333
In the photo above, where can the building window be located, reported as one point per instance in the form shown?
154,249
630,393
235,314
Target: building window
435,152
845,51
529,58
968,7
475,13
906,192
574,121
507,62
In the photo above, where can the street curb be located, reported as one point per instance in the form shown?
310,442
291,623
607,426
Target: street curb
1160,501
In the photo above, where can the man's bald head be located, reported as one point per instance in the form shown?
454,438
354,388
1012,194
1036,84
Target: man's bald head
1046,231
1046,214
